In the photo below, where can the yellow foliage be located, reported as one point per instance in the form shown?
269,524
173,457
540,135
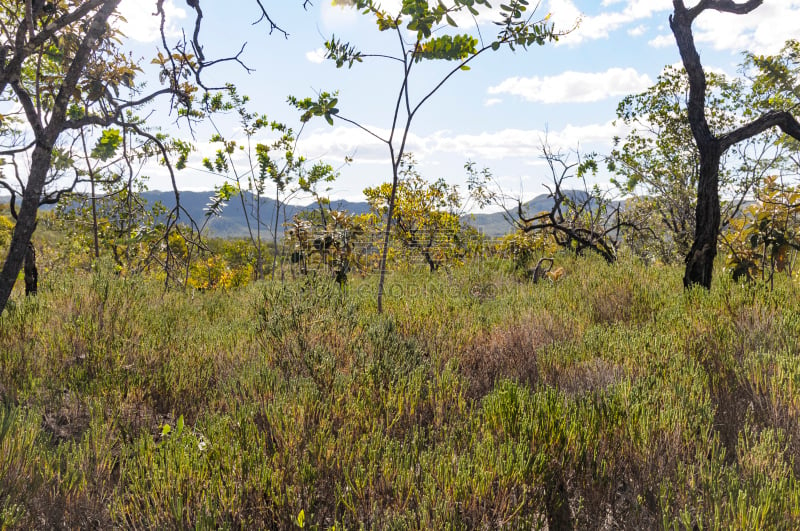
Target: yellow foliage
177,243
765,239
556,274
212,273
425,220
521,247
6,228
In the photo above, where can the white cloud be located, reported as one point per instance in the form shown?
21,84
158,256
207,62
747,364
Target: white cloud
602,25
338,142
662,41
492,102
316,56
575,86
338,17
511,152
638,31
142,24
763,31
341,13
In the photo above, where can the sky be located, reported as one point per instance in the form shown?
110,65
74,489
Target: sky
496,115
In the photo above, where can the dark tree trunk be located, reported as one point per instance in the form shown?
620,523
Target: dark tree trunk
700,260
26,223
31,273
432,264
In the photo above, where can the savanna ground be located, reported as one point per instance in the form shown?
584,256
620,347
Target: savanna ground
611,399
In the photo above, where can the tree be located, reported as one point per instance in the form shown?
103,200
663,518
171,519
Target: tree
579,220
660,160
711,147
332,236
121,220
273,162
426,217
427,23
61,163
62,64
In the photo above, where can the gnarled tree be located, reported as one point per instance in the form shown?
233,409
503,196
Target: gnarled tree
711,147
578,220
658,159
61,64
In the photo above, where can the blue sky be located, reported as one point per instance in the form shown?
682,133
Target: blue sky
496,114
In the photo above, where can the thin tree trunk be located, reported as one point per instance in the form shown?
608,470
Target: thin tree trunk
259,250
431,262
31,273
387,232
94,216
275,233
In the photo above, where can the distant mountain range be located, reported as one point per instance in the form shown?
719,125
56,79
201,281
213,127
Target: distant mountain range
232,222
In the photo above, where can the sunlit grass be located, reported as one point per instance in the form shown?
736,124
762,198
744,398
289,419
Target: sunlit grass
611,398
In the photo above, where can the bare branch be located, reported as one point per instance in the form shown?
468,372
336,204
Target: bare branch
365,129
725,6
272,25
12,203
782,119
14,151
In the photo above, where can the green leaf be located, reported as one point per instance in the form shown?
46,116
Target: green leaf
75,112
107,144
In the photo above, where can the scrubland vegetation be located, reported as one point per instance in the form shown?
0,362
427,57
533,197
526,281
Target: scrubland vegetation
392,369
477,400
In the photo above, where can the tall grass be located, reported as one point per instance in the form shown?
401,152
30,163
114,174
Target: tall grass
610,399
